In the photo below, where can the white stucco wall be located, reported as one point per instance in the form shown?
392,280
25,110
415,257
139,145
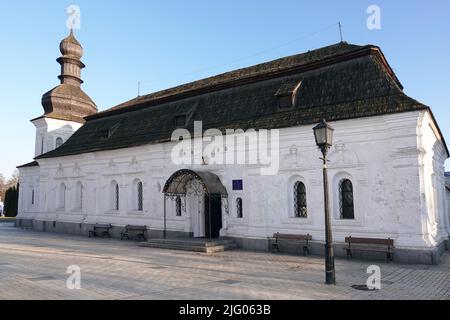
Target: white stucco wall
435,220
447,193
29,182
48,130
448,208
390,160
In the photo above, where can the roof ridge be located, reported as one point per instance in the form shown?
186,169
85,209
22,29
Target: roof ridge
278,65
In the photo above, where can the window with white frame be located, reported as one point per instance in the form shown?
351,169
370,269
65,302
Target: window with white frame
300,203
178,207
138,195
239,209
62,196
115,196
42,145
79,196
346,205
59,142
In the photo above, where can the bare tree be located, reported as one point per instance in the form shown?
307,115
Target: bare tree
14,180
6,184
3,187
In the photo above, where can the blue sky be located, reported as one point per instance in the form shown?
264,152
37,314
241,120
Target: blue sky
165,43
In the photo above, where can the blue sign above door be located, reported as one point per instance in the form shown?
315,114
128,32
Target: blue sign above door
238,185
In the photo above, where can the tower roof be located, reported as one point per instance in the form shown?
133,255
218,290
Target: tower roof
70,46
68,101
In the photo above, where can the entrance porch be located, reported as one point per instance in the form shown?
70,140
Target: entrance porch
202,198
191,244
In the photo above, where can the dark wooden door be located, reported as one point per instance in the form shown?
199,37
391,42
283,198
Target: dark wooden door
213,215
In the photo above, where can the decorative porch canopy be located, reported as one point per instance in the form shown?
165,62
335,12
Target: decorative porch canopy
176,184
210,185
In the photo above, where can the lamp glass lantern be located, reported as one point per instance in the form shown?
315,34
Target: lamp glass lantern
323,133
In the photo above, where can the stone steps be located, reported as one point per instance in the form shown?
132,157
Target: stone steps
194,245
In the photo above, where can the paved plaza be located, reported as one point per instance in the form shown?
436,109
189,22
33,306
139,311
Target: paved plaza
33,265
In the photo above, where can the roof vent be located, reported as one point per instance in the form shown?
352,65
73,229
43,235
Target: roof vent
108,132
287,94
105,134
180,120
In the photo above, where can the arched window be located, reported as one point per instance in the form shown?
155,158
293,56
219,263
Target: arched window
42,145
139,195
62,196
59,142
32,197
115,196
239,210
300,204
178,206
346,206
79,196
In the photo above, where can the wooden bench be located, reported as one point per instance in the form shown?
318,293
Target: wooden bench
100,230
376,245
134,232
296,237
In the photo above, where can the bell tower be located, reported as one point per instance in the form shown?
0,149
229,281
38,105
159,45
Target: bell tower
70,62
66,105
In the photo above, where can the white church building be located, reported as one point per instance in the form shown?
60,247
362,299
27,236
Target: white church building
118,166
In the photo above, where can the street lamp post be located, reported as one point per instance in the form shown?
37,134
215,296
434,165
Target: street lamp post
323,133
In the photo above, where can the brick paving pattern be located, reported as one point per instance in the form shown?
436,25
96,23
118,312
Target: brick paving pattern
33,266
